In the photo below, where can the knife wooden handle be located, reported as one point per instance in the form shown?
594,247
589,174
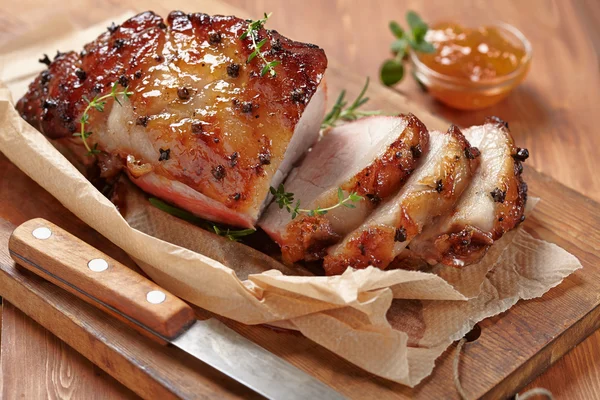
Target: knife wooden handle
67,261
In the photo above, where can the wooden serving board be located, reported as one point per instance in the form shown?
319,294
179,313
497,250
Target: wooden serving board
513,348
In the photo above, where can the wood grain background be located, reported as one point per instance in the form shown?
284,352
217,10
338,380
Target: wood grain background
552,114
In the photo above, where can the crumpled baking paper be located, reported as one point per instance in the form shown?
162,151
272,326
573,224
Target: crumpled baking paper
391,323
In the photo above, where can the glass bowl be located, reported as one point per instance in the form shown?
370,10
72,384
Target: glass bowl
465,94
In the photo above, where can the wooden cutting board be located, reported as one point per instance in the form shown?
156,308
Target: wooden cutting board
513,348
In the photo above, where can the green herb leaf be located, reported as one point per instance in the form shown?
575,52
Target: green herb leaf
94,150
177,212
414,21
264,70
269,68
419,34
252,56
99,106
231,234
399,47
424,47
260,44
351,113
97,103
355,197
333,115
392,72
285,199
252,33
396,29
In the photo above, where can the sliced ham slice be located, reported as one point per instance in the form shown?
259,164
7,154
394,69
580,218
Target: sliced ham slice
432,190
372,157
493,203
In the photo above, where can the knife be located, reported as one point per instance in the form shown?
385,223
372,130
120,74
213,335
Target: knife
63,259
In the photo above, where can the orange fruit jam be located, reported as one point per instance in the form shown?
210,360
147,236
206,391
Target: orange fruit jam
480,66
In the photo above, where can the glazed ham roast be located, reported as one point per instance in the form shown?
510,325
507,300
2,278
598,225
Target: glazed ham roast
205,129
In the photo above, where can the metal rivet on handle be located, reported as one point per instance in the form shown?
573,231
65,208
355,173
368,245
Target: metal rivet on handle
42,233
98,265
156,297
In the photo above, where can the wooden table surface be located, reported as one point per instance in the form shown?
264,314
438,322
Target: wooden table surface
552,114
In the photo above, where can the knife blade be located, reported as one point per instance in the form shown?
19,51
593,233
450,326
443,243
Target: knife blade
65,260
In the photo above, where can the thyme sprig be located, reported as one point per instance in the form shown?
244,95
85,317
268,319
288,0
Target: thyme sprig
98,103
392,70
286,200
252,32
340,112
232,234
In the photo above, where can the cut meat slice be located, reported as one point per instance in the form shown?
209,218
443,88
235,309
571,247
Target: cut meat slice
431,191
493,203
372,157
202,128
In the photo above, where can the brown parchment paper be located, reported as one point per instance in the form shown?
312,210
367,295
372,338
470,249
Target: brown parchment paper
391,323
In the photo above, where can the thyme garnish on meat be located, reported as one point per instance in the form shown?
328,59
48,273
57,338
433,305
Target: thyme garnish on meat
286,200
350,113
231,234
252,32
98,103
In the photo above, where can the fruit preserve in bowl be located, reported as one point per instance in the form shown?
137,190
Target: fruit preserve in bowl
472,68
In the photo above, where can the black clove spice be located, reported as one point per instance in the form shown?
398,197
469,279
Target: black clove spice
81,74
498,195
400,235
183,93
521,155
45,60
164,154
219,172
233,70
439,186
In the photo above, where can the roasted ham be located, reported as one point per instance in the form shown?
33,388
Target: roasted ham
203,129
493,203
432,189
372,157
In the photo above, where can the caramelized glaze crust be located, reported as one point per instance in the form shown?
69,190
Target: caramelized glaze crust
385,175
464,235
307,238
225,127
432,191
